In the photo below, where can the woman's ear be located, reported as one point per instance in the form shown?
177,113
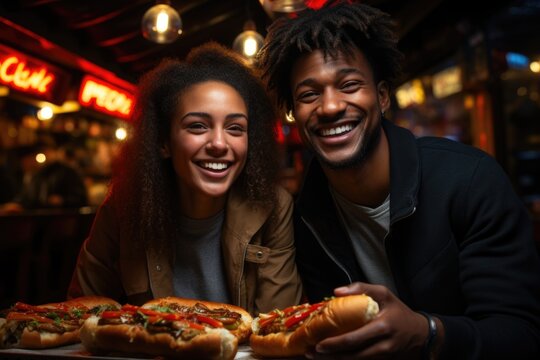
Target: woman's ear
165,151
383,96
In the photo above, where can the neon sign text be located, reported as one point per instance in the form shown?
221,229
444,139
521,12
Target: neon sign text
15,72
105,98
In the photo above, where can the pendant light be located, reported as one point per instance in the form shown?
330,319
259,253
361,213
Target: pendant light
161,23
249,41
283,6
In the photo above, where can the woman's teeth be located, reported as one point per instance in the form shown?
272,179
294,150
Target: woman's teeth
214,165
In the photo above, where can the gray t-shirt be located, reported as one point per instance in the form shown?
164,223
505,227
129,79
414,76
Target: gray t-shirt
367,228
198,269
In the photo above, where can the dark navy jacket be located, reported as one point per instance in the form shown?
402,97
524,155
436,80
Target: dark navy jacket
460,246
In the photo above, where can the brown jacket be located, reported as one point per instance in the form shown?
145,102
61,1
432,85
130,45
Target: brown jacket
258,253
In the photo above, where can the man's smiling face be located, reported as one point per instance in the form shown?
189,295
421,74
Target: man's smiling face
338,106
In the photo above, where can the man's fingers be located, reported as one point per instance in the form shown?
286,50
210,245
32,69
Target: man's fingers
375,351
379,293
342,343
353,340
352,289
347,346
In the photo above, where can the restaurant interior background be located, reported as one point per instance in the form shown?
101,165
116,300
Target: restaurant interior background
68,72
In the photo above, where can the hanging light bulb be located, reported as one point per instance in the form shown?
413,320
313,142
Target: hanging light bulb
249,42
288,6
161,24
285,6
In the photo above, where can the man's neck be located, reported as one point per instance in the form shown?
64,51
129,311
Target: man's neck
367,184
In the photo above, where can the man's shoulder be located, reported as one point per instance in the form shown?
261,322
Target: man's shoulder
452,157
440,145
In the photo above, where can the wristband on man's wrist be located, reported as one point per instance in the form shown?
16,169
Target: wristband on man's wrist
429,344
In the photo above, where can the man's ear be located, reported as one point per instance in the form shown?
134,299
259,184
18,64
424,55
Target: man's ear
165,151
383,96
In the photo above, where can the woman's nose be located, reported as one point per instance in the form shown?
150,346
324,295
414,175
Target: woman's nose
217,142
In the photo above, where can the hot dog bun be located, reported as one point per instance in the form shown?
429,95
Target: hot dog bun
91,302
217,344
192,302
337,316
28,339
69,318
243,330
44,340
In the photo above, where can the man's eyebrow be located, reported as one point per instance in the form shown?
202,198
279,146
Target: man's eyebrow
349,70
305,82
340,72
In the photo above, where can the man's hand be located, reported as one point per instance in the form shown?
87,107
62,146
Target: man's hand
396,332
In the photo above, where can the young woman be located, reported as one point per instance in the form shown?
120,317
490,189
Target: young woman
194,210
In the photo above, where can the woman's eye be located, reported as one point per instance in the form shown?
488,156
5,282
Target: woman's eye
197,127
236,129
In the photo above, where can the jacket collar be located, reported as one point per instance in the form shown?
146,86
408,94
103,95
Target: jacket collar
404,170
404,174
314,194
244,217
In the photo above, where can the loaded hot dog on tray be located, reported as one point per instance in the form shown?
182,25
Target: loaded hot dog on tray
171,327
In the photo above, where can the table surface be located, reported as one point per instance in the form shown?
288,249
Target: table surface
77,351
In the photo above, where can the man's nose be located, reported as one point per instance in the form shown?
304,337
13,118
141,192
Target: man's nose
331,104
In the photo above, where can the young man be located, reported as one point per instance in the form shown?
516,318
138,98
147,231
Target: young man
430,228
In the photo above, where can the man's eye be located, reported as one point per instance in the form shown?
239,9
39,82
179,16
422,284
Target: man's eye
307,96
350,86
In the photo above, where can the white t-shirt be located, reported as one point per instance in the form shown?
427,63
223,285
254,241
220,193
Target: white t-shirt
367,228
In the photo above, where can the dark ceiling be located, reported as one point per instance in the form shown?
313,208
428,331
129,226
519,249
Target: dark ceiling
107,32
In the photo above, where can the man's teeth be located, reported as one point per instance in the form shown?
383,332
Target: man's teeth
214,165
337,131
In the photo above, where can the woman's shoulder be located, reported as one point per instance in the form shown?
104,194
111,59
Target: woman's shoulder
282,201
109,207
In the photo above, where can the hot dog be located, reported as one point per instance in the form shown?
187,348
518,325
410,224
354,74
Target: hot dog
50,325
233,318
170,327
292,331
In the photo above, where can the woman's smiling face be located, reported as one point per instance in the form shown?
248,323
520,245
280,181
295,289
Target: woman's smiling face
208,142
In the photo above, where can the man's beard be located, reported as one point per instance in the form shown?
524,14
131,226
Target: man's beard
371,140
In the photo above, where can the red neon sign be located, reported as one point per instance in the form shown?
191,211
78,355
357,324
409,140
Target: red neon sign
17,73
26,74
104,97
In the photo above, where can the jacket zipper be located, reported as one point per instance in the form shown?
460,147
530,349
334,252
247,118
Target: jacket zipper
332,257
395,221
406,215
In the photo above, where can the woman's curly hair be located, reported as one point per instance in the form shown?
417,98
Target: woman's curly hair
339,26
144,183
